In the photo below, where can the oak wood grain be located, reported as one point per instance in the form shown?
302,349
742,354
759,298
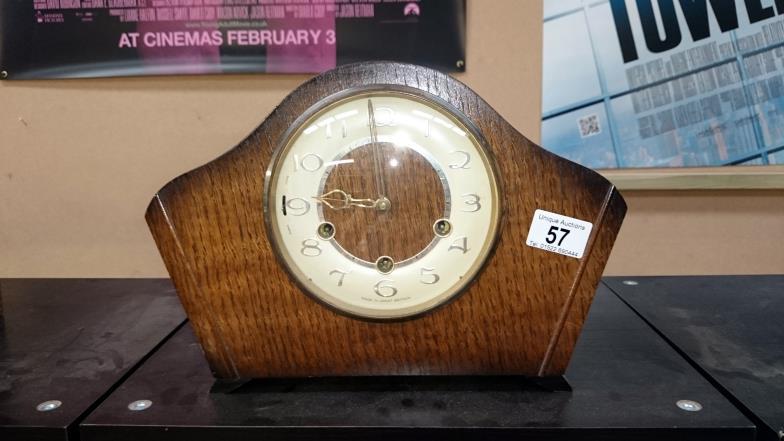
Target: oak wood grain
522,315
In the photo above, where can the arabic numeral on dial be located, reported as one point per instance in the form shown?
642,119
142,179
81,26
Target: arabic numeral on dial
464,164
461,243
328,130
342,275
296,207
310,162
384,289
472,201
310,248
384,116
428,276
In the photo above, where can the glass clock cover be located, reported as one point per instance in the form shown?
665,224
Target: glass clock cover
383,205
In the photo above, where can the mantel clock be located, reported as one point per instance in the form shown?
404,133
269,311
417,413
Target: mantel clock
385,220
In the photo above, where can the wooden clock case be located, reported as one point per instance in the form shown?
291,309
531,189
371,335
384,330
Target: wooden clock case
521,315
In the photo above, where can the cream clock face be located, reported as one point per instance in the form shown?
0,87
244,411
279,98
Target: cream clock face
383,205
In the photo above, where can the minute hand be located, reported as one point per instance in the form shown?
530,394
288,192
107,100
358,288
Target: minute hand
377,154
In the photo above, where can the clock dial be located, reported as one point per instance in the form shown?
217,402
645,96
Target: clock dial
383,205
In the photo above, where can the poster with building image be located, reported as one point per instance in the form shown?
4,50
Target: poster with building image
664,83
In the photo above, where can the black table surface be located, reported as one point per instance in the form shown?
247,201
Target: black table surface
73,340
626,381
730,327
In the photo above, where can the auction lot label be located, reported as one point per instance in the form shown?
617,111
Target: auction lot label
559,234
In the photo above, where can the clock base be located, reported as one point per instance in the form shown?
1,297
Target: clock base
391,383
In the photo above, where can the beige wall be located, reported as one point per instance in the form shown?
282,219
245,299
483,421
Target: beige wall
701,232
80,159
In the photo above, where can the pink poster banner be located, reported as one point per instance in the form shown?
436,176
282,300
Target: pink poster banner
98,38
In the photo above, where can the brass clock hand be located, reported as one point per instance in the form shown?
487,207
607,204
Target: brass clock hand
382,203
340,200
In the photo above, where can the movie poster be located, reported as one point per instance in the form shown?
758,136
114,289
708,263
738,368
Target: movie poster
100,38
664,83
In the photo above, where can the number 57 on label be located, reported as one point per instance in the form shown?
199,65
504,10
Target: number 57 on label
559,234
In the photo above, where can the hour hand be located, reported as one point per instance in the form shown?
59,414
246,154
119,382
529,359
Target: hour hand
340,200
